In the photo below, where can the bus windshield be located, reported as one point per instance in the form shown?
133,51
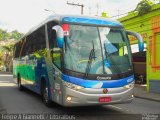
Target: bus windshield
97,50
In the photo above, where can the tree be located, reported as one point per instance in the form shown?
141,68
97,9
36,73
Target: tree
16,35
4,35
104,14
143,6
8,48
1,58
7,53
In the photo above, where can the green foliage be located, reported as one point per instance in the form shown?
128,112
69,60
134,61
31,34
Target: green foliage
7,51
8,48
104,14
1,58
144,6
1,62
4,35
16,35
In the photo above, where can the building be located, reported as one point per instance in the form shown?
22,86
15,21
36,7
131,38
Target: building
148,25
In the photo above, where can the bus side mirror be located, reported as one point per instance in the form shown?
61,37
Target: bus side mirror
60,35
139,38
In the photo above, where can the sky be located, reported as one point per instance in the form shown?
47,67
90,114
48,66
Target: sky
25,14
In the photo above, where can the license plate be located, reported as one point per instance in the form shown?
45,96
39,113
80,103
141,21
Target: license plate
105,99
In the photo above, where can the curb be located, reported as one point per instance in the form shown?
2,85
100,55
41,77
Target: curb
5,73
137,96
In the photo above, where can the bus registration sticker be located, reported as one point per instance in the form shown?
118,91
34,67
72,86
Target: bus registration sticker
105,99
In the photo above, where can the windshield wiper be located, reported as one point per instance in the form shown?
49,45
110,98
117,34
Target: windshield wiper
91,57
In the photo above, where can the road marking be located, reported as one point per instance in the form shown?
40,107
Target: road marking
4,75
115,107
7,84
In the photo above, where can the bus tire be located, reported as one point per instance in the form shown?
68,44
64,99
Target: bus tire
44,93
20,87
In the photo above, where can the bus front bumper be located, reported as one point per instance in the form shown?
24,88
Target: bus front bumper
77,98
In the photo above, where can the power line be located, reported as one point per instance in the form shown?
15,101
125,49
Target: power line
50,11
81,5
119,14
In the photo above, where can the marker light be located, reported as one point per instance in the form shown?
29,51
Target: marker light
65,28
78,87
73,86
130,85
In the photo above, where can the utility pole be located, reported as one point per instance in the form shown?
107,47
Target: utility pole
81,5
118,12
90,10
97,8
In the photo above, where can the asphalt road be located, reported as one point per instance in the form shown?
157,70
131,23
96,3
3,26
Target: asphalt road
13,101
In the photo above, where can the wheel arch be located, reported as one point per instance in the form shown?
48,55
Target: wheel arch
44,81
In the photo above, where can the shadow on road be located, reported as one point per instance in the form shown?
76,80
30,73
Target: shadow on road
76,110
15,101
7,89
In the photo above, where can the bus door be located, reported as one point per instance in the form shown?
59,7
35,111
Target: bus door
54,65
56,60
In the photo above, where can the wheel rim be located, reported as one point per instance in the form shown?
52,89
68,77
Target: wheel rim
45,94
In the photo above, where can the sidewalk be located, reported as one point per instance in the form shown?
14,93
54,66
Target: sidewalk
141,92
2,72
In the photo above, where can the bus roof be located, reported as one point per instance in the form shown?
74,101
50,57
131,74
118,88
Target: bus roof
88,20
85,20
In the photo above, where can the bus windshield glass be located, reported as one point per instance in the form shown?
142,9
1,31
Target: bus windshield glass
97,50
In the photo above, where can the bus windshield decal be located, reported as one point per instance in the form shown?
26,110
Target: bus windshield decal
91,83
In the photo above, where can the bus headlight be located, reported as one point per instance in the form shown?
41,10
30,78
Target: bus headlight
73,86
69,98
130,85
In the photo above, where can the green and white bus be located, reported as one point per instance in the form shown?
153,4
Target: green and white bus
76,61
